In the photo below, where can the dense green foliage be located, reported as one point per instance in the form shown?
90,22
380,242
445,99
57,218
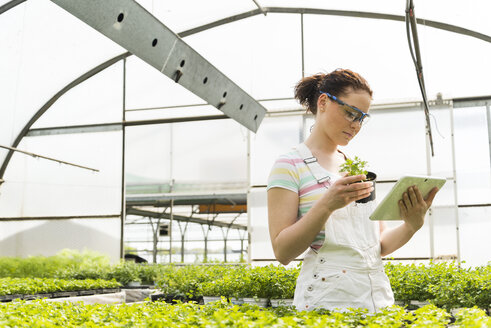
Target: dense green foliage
444,284
57,266
71,264
28,286
242,281
222,314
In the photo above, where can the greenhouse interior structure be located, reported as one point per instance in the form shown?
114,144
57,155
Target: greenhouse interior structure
137,138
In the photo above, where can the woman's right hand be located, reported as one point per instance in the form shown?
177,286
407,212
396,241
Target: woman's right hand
346,190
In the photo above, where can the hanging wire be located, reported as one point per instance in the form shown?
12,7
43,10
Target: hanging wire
412,38
48,158
436,126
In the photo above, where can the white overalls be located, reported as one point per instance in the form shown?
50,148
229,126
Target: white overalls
347,271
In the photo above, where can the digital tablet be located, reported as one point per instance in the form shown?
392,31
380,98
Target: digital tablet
388,208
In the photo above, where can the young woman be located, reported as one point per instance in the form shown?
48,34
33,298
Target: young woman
311,205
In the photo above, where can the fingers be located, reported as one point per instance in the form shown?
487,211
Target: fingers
352,179
360,190
431,196
412,191
413,197
353,182
406,199
419,196
402,209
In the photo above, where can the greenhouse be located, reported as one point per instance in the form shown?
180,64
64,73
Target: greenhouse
138,140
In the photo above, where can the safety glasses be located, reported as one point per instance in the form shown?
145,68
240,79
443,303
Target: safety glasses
351,114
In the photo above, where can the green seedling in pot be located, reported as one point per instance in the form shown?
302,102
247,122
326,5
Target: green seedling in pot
354,166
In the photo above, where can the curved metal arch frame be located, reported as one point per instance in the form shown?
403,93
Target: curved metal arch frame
10,5
345,13
223,21
53,99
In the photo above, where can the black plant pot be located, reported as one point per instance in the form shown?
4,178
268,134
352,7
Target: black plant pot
370,177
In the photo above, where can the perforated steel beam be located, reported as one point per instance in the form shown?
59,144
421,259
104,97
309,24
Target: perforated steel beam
131,26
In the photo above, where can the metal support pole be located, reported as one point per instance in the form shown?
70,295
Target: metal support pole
488,118
431,223
170,228
225,250
183,234
123,180
182,241
301,132
206,244
301,37
249,183
456,200
205,238
241,247
225,236
156,232
182,248
171,187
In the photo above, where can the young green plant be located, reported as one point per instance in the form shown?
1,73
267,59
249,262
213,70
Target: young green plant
354,166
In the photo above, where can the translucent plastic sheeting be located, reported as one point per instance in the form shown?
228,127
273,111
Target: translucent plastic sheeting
211,151
191,152
147,87
277,135
471,15
43,49
148,154
184,14
260,240
376,49
445,232
475,225
472,156
30,238
441,164
417,247
97,100
262,55
453,64
393,143
37,187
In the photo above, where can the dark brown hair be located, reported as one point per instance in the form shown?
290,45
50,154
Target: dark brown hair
336,83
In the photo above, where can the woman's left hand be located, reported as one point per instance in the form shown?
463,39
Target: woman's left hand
413,207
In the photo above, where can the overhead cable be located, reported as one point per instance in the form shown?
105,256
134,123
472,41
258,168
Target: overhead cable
412,38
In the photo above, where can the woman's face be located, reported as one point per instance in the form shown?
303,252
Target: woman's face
336,121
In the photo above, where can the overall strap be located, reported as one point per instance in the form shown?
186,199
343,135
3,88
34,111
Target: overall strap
315,169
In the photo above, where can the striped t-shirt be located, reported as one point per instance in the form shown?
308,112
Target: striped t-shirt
290,172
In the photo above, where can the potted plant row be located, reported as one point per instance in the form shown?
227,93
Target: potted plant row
260,286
